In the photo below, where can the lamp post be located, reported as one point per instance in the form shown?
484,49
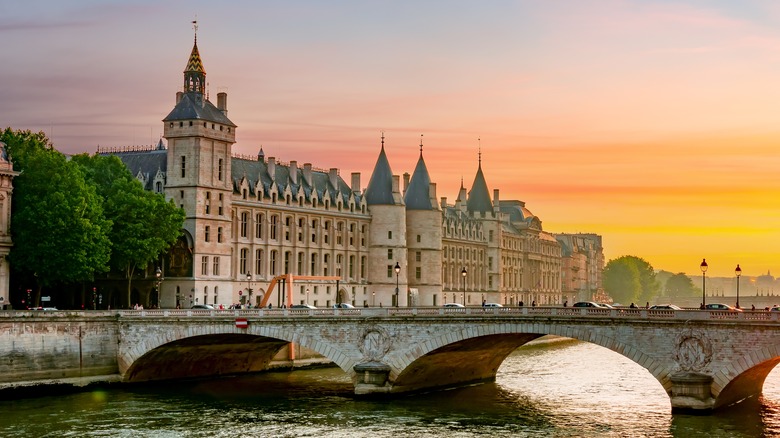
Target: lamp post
307,295
158,275
249,288
463,274
738,273
703,267
373,299
397,271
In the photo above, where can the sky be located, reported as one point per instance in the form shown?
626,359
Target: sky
655,124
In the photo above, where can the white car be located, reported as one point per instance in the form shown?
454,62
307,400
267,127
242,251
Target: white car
453,305
343,306
492,305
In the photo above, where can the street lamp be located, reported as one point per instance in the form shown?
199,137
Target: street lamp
738,273
249,288
397,271
373,299
158,275
463,274
703,267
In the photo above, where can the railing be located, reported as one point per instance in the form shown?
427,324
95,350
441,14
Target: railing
410,312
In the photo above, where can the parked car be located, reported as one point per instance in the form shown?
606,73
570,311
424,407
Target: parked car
606,306
302,306
343,306
492,305
453,305
588,304
719,306
203,307
775,309
665,307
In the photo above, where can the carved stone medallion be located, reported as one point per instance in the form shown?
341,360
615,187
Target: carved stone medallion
374,344
693,350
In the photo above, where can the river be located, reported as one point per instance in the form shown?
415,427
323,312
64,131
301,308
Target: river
552,389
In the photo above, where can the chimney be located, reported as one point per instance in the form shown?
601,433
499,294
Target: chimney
443,202
294,172
432,193
222,102
333,176
396,181
272,168
355,182
495,199
179,95
307,173
406,181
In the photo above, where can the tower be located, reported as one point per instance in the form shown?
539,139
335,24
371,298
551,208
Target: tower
387,241
200,138
423,238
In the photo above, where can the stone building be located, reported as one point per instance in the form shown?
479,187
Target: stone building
250,219
7,175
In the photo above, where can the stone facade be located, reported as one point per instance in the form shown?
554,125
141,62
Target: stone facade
7,175
252,218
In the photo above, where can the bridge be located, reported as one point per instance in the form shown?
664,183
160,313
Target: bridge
704,360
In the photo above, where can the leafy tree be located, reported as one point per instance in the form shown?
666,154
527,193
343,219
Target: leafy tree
144,224
59,231
621,280
647,278
680,285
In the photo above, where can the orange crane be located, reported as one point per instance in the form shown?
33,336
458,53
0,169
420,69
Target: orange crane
289,280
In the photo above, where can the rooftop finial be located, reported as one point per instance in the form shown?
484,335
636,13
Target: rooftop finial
479,141
195,26
383,139
421,138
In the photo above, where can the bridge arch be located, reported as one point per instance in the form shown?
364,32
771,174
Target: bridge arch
747,379
202,350
473,354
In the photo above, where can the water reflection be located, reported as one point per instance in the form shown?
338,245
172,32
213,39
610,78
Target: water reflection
561,389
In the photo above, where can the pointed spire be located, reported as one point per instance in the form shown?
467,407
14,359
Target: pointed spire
194,73
380,186
479,195
418,194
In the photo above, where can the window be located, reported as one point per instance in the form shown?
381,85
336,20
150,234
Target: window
418,238
418,272
208,203
219,235
244,223
389,235
490,262
325,264
301,259
215,268
314,231
287,223
418,256
183,166
389,271
338,264
219,170
313,270
206,233
363,267
490,235
242,260
287,255
351,266
389,254
204,265
220,205
273,263
259,262
274,220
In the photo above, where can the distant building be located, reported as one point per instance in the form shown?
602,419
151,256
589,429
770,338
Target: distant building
7,175
583,263
251,218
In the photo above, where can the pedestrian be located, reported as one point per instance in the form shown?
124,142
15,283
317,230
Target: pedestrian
565,304
269,306
647,306
632,306
520,304
753,307
483,303
533,303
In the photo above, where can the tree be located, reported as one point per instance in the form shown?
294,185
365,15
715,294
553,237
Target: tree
59,231
680,285
621,281
144,224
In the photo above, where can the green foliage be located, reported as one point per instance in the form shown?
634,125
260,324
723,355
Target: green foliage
680,285
59,231
630,279
144,224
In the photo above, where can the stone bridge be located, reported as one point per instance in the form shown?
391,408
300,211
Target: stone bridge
704,360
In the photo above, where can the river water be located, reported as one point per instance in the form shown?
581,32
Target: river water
553,389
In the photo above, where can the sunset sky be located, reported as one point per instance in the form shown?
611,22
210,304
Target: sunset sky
655,124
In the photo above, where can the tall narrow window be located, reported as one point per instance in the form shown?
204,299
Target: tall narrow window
204,265
183,166
242,260
219,235
244,223
220,205
208,203
259,226
274,220
206,233
215,267
259,262
273,263
219,169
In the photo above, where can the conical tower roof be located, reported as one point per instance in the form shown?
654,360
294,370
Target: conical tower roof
418,194
380,187
479,196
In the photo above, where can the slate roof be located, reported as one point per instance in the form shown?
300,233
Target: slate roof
380,187
194,106
479,197
418,194
146,162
